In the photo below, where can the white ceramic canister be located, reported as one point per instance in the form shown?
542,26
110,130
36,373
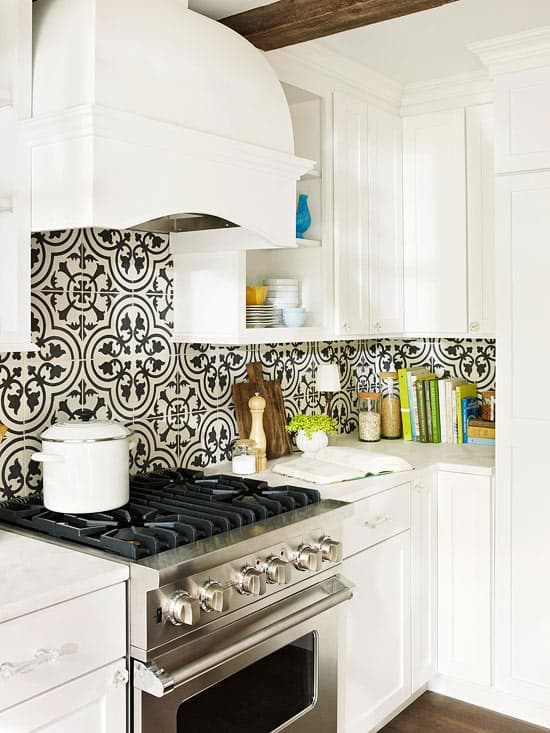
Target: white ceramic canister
85,466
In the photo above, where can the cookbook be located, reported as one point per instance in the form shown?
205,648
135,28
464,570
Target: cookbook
331,465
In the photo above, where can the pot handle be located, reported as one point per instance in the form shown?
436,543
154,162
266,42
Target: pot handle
46,458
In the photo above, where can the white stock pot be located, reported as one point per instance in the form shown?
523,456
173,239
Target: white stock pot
85,466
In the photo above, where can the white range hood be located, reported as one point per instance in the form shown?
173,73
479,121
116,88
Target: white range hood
147,109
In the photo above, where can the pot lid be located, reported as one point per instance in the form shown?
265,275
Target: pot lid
85,430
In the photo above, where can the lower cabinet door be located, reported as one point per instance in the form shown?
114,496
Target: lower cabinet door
376,665
94,703
464,576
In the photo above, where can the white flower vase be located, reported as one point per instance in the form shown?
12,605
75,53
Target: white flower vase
318,440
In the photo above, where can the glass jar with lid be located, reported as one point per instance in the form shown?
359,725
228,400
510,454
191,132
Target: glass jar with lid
390,405
243,456
369,416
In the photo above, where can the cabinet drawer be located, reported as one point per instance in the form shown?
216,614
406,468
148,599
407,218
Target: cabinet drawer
377,518
50,647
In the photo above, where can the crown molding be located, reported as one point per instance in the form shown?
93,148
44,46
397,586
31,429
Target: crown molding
447,92
337,68
517,52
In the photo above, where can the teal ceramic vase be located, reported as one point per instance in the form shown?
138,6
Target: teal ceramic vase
303,216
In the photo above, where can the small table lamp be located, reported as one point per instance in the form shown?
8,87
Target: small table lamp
327,380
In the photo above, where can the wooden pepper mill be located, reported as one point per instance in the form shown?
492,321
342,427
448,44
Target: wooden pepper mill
256,406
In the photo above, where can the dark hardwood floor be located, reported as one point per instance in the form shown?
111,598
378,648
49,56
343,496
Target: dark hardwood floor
433,713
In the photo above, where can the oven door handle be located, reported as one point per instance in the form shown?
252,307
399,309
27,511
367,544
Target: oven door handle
154,679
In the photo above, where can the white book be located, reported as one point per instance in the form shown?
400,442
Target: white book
332,464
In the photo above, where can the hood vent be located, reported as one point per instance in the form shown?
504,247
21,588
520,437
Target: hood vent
160,110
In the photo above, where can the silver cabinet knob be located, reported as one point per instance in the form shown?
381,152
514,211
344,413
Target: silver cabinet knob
251,582
308,558
378,326
278,571
474,326
330,550
212,597
182,609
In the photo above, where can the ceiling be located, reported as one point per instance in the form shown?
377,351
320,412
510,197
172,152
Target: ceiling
432,44
223,8
426,45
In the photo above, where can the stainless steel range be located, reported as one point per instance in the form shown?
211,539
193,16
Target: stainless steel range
234,599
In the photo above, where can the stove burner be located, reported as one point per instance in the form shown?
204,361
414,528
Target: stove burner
167,508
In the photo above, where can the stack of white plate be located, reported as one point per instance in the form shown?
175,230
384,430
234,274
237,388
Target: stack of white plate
263,316
282,292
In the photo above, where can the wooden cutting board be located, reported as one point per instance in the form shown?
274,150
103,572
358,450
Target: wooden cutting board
278,440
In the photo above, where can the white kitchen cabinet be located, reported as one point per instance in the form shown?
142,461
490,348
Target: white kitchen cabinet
15,106
351,216
368,237
64,666
434,213
424,578
377,671
376,657
481,219
522,593
94,703
465,577
385,182
522,129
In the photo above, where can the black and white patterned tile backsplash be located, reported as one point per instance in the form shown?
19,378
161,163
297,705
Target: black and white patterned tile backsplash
102,319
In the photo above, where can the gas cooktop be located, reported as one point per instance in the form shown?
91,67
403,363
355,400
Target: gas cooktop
168,508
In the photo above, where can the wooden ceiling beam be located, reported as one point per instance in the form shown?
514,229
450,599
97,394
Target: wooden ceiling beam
294,21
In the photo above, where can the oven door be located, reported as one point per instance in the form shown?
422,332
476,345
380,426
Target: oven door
271,671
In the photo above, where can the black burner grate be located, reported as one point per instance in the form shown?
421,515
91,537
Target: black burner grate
167,508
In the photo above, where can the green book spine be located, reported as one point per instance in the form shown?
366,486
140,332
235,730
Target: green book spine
436,424
421,407
427,397
405,406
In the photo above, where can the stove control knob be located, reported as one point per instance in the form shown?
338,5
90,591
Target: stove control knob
182,609
330,550
251,582
211,597
308,558
278,571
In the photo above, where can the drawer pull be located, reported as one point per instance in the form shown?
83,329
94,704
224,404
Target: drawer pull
40,656
373,523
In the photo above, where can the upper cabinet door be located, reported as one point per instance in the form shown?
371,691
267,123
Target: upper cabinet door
481,219
351,216
385,177
15,227
434,211
523,122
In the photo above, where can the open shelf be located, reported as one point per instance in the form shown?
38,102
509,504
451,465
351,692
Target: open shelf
312,175
308,242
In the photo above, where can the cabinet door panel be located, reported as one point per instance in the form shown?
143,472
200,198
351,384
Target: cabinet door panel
377,666
522,596
385,176
424,579
464,577
481,219
350,216
523,110
434,212
95,703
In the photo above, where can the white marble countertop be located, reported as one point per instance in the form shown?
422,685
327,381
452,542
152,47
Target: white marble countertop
471,459
35,574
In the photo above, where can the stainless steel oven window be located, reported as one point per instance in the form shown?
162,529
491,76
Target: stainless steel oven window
265,696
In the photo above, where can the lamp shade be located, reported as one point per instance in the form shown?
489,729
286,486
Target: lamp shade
327,378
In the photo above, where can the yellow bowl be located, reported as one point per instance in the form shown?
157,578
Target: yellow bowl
256,294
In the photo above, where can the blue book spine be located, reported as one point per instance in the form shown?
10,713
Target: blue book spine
469,409
481,441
